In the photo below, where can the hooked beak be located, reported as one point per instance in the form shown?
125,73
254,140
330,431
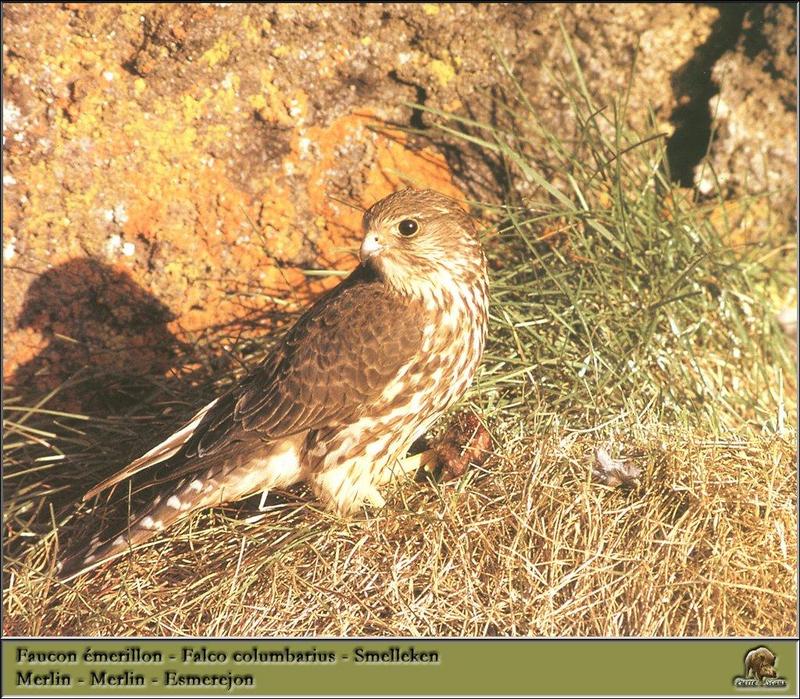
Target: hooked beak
371,246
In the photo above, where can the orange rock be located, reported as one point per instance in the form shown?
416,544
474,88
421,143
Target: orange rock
191,236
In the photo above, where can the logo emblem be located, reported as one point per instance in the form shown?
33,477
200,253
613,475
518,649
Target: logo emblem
759,670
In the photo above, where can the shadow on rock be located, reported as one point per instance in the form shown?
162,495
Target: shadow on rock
107,379
112,381
104,334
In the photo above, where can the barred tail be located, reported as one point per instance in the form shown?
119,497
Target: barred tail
249,469
188,495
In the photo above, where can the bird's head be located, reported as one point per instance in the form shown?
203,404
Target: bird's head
422,242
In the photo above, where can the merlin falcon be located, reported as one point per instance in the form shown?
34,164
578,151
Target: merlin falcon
364,372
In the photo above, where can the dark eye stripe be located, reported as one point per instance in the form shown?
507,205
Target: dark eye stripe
407,227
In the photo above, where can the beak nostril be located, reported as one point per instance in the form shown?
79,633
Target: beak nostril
370,246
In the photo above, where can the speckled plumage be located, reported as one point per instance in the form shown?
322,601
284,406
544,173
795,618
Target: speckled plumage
364,372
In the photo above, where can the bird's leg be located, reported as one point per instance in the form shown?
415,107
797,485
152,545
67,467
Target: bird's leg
406,466
412,464
373,497
351,484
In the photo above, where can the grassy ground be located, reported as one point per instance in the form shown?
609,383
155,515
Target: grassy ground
625,316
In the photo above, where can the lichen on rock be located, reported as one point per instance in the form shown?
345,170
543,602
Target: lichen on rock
203,152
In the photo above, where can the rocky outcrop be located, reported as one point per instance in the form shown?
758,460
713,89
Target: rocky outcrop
203,157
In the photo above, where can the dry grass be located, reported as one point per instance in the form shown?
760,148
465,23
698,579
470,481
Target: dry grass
529,545
621,319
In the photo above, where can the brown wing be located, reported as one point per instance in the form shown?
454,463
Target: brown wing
331,367
160,453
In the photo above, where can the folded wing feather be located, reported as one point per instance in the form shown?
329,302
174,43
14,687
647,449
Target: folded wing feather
158,454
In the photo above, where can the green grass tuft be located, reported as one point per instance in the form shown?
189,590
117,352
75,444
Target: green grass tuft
615,294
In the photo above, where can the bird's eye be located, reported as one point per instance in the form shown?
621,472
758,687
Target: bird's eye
407,227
